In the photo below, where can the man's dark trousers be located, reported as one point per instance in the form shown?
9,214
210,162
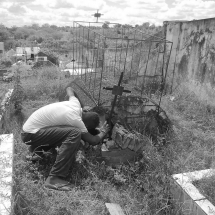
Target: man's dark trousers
67,138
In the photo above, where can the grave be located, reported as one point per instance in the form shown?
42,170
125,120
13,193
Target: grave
187,197
123,144
127,71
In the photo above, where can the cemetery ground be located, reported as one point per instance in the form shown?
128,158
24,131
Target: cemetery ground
139,188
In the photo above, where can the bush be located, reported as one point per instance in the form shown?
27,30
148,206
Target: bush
6,62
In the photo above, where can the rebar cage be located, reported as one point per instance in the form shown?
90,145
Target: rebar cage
103,51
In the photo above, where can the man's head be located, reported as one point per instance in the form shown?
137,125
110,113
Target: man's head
90,119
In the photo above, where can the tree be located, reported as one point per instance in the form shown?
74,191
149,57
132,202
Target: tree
4,34
106,25
35,26
152,27
36,38
46,25
117,26
146,25
5,62
23,33
10,44
12,29
54,27
127,26
57,35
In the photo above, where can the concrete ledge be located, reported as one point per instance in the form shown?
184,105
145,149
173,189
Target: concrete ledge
114,209
3,105
187,197
6,167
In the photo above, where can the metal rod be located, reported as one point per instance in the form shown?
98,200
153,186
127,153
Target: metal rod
115,60
73,51
100,86
115,98
132,54
165,73
93,63
157,61
146,68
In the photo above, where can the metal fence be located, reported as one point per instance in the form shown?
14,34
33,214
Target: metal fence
112,60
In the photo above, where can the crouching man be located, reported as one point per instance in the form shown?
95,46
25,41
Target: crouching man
63,125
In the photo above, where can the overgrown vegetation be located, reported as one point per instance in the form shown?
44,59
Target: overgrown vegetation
140,188
129,185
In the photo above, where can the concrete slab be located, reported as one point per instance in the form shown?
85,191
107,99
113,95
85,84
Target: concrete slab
187,197
6,167
114,209
119,156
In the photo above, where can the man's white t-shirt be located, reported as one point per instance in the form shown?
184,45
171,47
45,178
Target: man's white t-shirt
60,113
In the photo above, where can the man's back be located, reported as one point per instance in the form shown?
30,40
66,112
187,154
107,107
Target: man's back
60,113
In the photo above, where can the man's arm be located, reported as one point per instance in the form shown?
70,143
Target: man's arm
95,140
71,92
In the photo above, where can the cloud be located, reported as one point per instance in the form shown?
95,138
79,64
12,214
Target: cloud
36,7
170,3
3,15
22,1
63,4
119,3
86,8
60,12
17,9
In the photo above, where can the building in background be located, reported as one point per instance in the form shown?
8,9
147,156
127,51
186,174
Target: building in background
43,56
27,53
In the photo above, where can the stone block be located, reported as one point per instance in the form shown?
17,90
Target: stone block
131,140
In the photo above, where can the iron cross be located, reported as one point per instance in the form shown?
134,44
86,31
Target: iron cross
97,15
117,90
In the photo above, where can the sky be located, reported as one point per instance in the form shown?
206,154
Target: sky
64,12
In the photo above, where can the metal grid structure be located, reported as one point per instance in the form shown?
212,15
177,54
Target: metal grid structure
103,53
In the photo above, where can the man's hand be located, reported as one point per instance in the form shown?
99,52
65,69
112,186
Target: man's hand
70,91
86,108
96,139
105,128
